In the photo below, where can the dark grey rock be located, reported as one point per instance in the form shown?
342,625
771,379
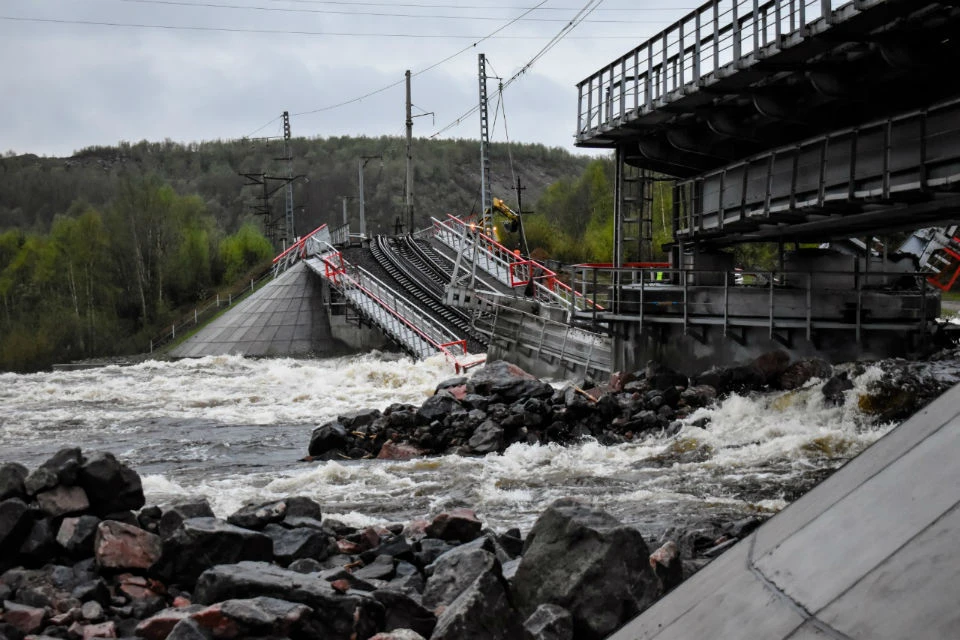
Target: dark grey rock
40,544
306,565
403,612
800,372
266,616
302,507
481,612
508,382
451,382
457,524
430,550
833,390
173,517
549,622
383,568
295,544
12,475
189,629
201,543
586,561
63,501
438,407
454,572
15,523
328,438
356,419
337,616
258,516
110,485
486,438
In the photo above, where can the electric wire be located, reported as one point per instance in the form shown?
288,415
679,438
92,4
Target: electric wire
570,26
483,7
380,14
351,34
422,71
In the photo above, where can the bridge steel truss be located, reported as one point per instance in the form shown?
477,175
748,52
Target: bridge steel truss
778,121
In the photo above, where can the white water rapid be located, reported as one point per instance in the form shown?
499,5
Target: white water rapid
233,430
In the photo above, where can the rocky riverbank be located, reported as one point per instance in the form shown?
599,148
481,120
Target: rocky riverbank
81,557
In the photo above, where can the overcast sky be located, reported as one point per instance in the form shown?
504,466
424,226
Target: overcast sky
202,70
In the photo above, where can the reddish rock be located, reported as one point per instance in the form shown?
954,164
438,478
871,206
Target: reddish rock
398,634
399,451
665,562
159,625
458,392
416,529
102,630
771,364
341,585
122,546
24,618
457,524
219,625
180,602
370,538
619,379
63,501
138,587
348,548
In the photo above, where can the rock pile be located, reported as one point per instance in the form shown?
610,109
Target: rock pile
501,405
79,563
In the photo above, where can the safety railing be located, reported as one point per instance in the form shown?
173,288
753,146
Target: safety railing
400,318
299,249
911,152
574,348
505,265
859,300
719,34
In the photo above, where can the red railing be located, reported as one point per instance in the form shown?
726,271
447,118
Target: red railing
944,280
336,270
522,270
300,246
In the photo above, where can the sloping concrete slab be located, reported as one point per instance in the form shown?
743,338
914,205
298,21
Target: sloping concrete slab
870,553
284,318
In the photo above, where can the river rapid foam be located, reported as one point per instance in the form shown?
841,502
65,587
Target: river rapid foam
233,430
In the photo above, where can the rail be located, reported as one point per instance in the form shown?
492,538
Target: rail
393,313
795,300
715,39
505,265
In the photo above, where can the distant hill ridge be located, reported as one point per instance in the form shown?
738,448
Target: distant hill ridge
446,180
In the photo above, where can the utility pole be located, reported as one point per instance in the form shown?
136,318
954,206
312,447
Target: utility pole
485,198
409,190
288,156
520,214
344,199
363,214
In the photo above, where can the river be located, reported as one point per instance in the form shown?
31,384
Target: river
234,430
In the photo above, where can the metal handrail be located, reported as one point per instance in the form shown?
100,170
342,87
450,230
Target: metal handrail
718,36
507,266
402,319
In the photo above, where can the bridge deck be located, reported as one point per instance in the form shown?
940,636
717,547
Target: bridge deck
734,77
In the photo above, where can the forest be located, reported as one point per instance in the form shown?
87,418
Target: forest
101,250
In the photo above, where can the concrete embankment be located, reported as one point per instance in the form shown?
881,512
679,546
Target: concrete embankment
870,553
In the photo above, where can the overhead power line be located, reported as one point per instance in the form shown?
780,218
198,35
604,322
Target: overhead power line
351,34
420,5
563,33
380,14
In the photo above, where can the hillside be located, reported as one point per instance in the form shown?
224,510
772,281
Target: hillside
33,190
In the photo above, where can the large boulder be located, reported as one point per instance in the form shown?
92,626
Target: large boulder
201,543
295,544
328,439
403,612
258,516
486,438
63,501
118,546
508,381
586,561
61,468
110,485
256,617
481,612
173,517
457,524
12,475
15,523
453,572
336,616
76,535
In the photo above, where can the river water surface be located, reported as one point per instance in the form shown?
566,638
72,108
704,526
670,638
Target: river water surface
233,430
